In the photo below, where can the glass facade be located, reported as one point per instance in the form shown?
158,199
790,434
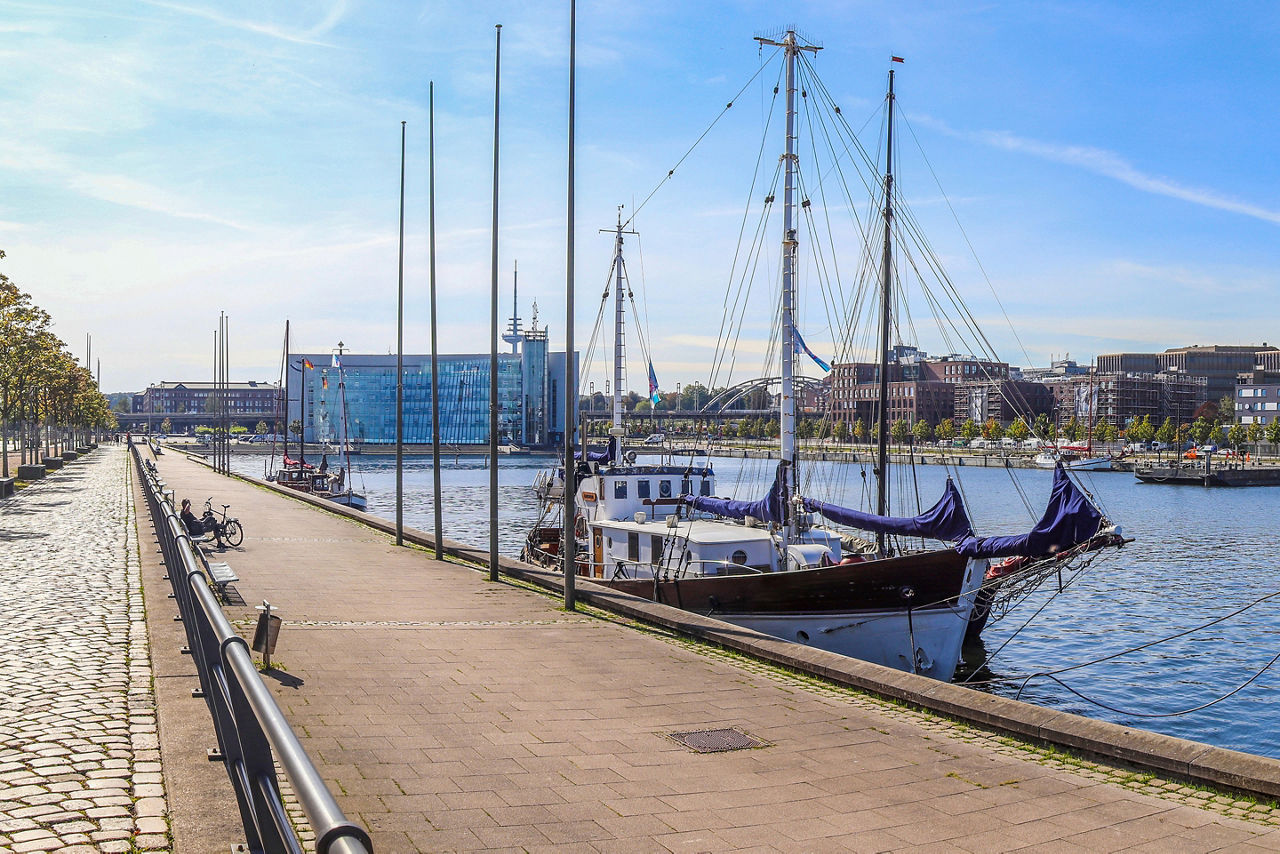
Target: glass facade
524,418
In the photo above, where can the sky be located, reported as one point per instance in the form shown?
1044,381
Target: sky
1106,169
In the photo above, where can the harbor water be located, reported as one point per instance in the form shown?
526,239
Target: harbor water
1199,555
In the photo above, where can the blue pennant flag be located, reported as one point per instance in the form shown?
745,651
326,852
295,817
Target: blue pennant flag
653,385
810,353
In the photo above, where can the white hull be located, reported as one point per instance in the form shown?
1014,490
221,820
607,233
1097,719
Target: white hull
934,635
1048,461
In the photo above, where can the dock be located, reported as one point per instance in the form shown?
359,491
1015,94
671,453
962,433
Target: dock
449,713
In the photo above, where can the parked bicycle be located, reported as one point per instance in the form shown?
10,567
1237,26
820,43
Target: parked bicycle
229,529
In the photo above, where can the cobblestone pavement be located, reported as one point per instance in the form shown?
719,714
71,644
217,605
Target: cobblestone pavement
79,755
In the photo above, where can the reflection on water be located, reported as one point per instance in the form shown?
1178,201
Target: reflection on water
1199,555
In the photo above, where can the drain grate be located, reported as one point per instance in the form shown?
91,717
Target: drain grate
716,740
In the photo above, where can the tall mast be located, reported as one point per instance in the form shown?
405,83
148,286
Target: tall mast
789,246
619,354
886,304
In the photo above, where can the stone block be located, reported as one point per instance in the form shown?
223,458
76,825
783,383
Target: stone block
6,486
52,462
68,456
31,472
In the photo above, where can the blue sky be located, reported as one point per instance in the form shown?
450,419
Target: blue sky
1111,163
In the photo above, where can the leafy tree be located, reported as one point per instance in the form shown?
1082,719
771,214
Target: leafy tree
1073,430
1255,432
1227,408
842,431
991,429
946,429
1202,430
1237,435
261,428
899,431
1043,427
1273,431
1168,432
822,429
166,426
237,429
859,431
970,429
1142,430
1018,430
205,430
922,431
295,427
804,428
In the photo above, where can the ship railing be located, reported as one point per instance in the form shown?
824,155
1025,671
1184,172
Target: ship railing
249,725
649,570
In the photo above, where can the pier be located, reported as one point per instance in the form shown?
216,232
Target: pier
446,712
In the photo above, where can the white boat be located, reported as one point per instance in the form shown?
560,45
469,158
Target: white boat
1072,458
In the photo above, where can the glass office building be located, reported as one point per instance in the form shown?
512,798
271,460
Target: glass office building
530,396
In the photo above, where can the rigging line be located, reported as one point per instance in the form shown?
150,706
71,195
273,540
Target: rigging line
701,137
968,242
1201,707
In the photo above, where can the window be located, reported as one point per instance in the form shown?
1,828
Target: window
706,487
619,489
739,557
655,549
664,489
686,487
633,546
642,489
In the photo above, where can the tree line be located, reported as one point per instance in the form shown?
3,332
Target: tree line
48,401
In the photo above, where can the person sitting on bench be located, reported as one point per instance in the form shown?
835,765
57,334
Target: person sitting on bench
195,527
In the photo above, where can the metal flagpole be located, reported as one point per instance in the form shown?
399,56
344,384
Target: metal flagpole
570,374
435,386
493,322
400,363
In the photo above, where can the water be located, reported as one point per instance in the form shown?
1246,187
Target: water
1199,554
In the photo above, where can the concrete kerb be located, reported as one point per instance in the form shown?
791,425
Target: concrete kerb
1191,761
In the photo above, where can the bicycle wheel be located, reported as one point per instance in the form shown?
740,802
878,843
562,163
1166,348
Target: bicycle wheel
233,534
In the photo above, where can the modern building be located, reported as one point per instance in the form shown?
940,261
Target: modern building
360,390
920,388
1218,364
1003,400
1257,404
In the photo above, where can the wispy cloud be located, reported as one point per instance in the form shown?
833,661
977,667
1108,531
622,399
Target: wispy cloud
309,36
1111,165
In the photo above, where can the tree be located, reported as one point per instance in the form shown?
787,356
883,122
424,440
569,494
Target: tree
1168,432
1255,432
1018,430
166,426
1273,431
899,431
261,428
991,429
970,429
1227,408
922,431
822,429
842,431
1237,435
946,429
804,428
1142,430
295,427
1043,427
1201,430
1073,430
237,429
746,429
859,431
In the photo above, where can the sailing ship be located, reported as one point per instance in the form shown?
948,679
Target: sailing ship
659,532
299,475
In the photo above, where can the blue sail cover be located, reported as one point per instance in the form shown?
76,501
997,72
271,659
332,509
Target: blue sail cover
946,520
1070,519
770,508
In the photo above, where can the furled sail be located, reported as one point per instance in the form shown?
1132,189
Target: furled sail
770,508
1069,520
946,520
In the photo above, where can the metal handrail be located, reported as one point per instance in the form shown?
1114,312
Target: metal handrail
249,724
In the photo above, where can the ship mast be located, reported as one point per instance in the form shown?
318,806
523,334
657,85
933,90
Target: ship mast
792,49
619,335
886,305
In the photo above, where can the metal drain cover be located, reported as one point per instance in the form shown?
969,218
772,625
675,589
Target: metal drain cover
716,740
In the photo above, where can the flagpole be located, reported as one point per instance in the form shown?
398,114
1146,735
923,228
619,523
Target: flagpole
435,386
567,541
400,362
493,323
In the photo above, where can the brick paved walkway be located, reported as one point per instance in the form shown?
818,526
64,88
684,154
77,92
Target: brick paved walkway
79,759
449,713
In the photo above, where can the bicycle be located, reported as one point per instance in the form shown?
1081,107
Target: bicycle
229,530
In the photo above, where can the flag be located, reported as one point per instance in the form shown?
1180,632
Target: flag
306,364
337,360
896,59
653,385
324,381
810,353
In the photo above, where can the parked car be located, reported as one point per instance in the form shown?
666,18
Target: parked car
655,439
